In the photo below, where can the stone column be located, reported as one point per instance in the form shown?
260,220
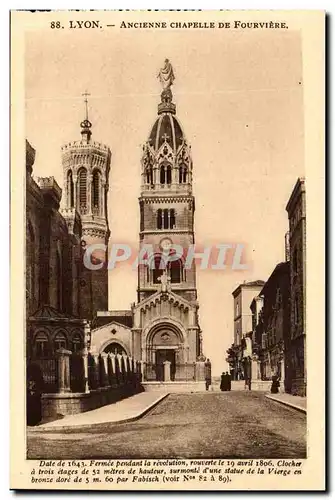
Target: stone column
167,371
75,192
141,370
96,370
282,374
104,357
63,364
112,358
155,174
89,193
102,207
84,353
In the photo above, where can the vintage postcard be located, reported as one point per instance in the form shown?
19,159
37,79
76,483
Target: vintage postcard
167,228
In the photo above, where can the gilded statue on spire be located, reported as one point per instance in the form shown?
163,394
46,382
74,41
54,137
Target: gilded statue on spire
166,75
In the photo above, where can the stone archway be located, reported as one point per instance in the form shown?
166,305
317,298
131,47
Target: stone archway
115,347
165,342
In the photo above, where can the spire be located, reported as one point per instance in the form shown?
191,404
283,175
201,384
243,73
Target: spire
86,124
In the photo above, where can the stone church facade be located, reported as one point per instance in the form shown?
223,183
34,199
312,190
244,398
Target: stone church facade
164,333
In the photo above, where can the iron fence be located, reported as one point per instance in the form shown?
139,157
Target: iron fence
49,371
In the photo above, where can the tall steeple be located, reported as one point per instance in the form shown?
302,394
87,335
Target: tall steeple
166,202
86,167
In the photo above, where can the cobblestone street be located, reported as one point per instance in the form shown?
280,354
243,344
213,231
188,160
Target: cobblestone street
226,425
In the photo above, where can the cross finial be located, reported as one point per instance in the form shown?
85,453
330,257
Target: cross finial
165,137
86,94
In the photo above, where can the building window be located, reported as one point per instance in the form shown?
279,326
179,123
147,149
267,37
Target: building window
82,181
172,218
96,191
77,344
175,271
166,219
237,309
182,174
70,190
41,345
162,174
159,219
168,174
60,341
158,269
165,174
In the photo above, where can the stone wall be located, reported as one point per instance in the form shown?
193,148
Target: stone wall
59,405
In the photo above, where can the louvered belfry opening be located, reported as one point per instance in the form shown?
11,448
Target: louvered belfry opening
96,191
82,181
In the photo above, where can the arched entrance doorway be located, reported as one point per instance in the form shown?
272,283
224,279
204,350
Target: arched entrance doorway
164,343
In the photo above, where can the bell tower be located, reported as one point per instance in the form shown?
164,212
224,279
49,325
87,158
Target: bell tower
86,167
166,202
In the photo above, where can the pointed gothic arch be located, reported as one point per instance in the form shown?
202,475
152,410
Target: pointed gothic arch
70,190
165,173
82,190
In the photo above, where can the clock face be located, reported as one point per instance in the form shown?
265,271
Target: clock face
165,244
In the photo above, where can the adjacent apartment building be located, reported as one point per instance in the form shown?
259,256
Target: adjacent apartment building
296,210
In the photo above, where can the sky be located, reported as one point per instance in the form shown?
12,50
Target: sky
239,98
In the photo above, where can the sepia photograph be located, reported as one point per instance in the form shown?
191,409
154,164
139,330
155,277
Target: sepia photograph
166,235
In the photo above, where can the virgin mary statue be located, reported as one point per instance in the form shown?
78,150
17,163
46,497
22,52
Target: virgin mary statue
166,75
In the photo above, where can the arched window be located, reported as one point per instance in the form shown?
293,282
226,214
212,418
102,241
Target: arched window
41,345
96,192
182,174
149,175
172,218
115,348
82,182
166,218
159,219
168,175
162,174
77,343
60,341
70,190
176,271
